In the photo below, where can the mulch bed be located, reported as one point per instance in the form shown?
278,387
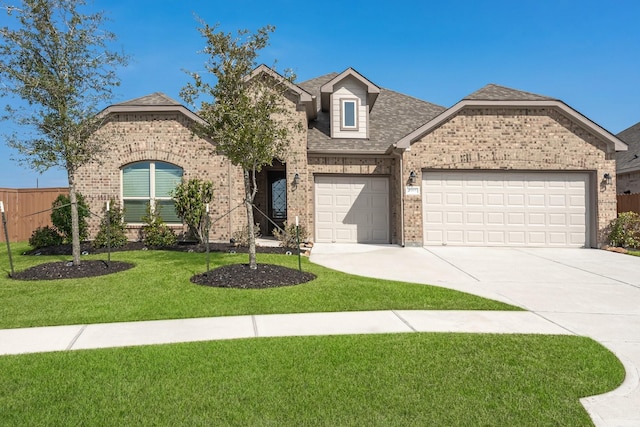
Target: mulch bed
240,276
229,276
66,270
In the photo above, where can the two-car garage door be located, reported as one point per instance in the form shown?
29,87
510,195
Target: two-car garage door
351,209
505,208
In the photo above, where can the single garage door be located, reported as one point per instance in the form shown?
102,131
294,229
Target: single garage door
350,209
505,208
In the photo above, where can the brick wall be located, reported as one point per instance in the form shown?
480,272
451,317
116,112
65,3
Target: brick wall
511,139
162,137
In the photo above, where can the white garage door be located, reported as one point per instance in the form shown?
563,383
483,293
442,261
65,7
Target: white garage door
505,209
352,209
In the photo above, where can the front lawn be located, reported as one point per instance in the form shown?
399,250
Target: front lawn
373,380
158,287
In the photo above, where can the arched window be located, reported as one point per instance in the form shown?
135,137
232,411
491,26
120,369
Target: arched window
150,182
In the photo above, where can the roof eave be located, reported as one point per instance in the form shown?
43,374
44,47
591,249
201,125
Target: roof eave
406,142
119,108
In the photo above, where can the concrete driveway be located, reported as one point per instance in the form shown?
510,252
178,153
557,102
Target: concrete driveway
587,291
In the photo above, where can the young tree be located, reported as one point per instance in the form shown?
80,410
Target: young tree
245,115
57,67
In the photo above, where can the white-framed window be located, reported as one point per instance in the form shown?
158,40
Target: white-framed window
150,182
349,114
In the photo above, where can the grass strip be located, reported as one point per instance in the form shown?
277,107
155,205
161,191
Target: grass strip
376,380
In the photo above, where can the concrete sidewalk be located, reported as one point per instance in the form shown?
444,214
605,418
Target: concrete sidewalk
81,337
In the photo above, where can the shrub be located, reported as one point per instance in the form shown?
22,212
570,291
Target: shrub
61,217
624,231
190,199
44,236
155,233
287,237
241,237
116,234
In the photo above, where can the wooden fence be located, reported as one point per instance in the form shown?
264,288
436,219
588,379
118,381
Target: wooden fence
21,204
629,202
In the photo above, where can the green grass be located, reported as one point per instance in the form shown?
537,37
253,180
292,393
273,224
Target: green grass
158,287
373,380
634,252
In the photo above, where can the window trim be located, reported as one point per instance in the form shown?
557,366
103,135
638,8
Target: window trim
153,199
343,112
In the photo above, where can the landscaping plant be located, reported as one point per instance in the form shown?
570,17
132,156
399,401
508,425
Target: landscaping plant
287,236
112,228
58,72
248,119
191,198
61,217
44,236
624,231
241,237
155,233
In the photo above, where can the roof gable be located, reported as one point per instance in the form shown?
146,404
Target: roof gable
156,102
304,97
393,116
329,87
503,97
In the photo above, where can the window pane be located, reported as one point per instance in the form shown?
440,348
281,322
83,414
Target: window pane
136,180
134,210
349,113
167,178
167,210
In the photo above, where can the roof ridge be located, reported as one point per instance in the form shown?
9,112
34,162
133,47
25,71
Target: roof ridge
496,92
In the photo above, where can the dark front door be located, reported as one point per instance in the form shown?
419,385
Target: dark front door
277,190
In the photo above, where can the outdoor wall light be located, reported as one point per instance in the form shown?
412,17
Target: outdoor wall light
296,179
607,179
412,177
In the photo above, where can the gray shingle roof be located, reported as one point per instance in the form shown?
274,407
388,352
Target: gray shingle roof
493,92
393,116
155,99
629,160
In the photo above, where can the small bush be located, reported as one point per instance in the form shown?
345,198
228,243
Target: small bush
287,237
190,199
61,217
45,236
241,237
117,229
624,231
155,233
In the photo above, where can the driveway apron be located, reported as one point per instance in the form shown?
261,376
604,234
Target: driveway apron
590,292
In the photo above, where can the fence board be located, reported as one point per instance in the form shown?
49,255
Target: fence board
629,203
21,204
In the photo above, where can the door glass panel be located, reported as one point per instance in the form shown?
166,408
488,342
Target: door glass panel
279,199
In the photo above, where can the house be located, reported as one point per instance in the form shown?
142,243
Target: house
628,162
501,167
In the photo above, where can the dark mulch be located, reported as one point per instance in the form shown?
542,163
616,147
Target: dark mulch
243,277
66,270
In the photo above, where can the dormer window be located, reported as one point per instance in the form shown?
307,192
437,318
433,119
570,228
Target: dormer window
349,109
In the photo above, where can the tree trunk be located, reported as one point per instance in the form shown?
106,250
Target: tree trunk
248,202
75,228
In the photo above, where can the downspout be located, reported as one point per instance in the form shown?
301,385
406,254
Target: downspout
401,195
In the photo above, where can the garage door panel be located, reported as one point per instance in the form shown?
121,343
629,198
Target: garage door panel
352,209
505,208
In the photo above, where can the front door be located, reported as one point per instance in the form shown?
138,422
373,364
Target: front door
277,191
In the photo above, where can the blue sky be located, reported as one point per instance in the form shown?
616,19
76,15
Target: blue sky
586,53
